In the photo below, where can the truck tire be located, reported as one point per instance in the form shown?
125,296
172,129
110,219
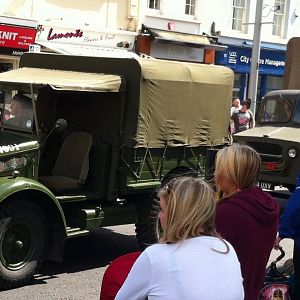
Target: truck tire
22,242
146,233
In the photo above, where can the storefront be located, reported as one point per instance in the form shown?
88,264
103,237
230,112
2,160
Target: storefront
271,69
15,37
172,45
79,41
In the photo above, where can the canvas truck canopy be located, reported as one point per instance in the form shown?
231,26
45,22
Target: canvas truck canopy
60,80
183,104
167,102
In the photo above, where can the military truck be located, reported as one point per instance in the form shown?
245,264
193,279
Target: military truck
92,139
277,133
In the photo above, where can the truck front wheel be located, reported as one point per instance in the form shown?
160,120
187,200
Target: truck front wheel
22,242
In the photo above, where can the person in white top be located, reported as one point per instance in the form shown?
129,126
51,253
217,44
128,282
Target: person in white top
236,106
191,261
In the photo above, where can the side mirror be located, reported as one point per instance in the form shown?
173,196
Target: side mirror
61,125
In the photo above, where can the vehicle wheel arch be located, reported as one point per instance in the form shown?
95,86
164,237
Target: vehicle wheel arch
54,218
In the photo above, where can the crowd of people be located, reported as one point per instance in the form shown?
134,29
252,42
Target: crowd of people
241,116
206,241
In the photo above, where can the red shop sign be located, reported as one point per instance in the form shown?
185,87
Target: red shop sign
16,37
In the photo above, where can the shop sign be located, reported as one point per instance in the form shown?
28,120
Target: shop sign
111,39
177,52
271,62
16,37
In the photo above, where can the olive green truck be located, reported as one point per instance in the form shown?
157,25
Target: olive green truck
277,133
86,141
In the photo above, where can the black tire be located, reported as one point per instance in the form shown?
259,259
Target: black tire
146,232
22,242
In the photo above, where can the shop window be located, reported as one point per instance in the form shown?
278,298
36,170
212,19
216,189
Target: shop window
238,14
278,18
190,7
239,86
154,4
274,83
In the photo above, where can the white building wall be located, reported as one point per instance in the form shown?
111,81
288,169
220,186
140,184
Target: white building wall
220,12
95,14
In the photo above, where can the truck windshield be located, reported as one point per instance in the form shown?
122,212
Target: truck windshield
17,112
275,110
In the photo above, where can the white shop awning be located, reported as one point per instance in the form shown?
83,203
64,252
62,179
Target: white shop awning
71,49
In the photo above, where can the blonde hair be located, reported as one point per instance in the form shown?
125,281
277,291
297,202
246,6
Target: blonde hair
239,164
190,209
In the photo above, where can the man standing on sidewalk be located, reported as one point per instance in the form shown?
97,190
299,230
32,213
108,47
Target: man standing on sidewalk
243,119
236,106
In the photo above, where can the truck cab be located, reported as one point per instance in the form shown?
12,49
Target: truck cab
276,137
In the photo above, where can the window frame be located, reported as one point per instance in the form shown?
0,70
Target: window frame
156,5
237,9
278,27
191,6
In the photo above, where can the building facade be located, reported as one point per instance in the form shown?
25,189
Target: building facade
231,23
201,31
93,28
16,35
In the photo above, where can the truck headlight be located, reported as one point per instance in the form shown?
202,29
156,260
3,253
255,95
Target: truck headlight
13,163
292,153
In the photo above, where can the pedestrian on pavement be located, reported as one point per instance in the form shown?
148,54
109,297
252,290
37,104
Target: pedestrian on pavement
236,106
246,216
289,227
243,118
190,259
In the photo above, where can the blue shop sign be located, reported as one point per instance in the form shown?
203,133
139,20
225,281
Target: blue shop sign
271,62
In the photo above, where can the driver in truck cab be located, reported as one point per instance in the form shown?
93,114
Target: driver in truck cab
20,114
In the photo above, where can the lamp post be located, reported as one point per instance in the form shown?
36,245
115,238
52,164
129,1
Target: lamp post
254,68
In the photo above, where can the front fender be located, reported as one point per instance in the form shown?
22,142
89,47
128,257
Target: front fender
10,186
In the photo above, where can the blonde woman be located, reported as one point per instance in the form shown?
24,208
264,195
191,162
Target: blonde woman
190,260
246,216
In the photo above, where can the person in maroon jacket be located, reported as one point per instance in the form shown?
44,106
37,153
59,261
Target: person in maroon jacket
246,216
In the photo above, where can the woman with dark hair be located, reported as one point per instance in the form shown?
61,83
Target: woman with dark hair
246,216
190,259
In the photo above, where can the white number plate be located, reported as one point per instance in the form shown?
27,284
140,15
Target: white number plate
265,185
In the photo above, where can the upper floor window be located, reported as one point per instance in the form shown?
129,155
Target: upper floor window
154,4
190,7
238,16
278,18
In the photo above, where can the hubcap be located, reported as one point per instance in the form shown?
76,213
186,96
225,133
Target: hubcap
17,245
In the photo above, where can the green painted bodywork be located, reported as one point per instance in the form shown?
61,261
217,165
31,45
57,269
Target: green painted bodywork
146,127
10,186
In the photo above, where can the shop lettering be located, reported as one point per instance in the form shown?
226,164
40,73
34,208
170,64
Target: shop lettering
6,35
245,59
276,63
18,53
54,36
9,148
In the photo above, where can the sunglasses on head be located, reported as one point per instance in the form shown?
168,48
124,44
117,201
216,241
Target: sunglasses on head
168,186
